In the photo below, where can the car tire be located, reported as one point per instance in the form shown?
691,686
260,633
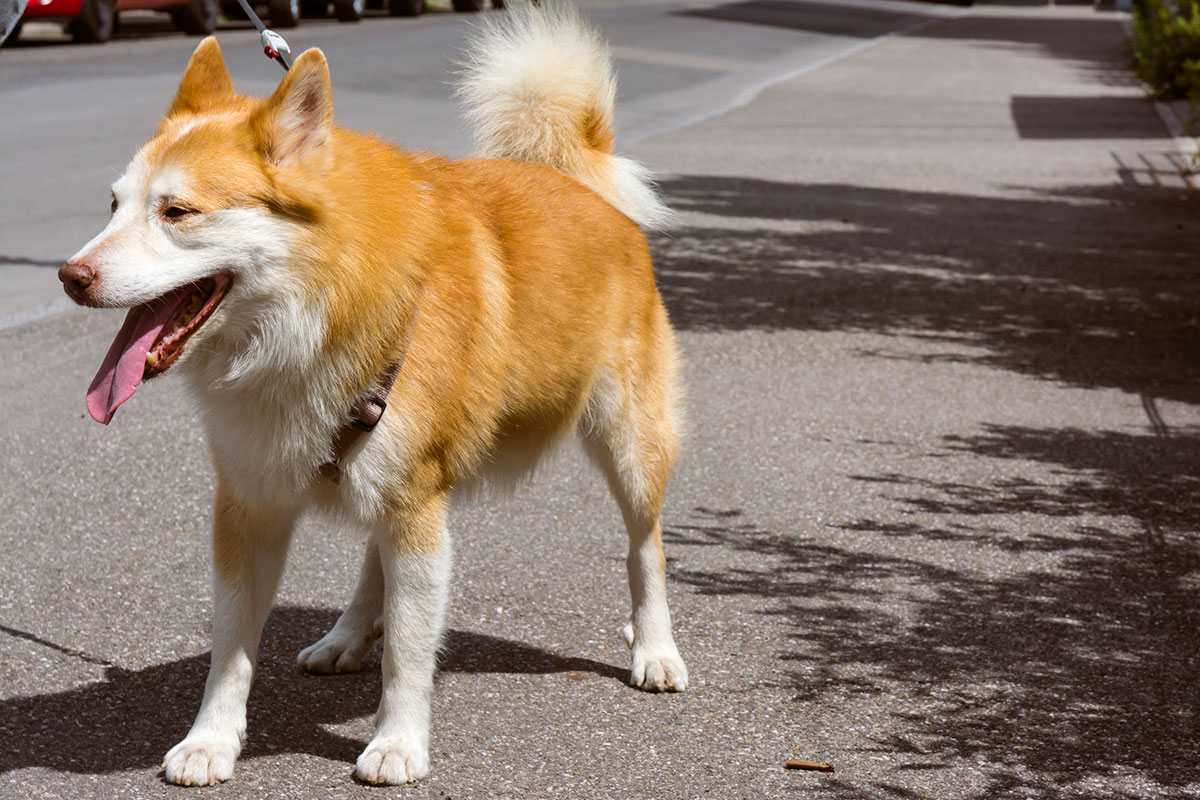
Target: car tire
232,9
405,8
198,17
467,5
95,23
349,10
285,13
314,9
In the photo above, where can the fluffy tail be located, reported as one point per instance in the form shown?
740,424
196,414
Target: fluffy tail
539,86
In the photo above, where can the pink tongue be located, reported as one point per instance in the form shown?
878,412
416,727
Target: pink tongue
122,369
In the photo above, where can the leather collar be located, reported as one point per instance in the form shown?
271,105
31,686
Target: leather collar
367,410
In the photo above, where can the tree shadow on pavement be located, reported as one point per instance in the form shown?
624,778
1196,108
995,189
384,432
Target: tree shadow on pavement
1093,287
859,22
132,717
1079,662
1096,45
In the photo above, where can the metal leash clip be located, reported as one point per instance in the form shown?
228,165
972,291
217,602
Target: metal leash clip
275,47
273,44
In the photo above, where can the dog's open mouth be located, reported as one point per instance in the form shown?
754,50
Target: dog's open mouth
150,341
193,305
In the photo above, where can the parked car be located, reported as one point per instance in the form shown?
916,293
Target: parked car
350,10
287,13
95,20
275,13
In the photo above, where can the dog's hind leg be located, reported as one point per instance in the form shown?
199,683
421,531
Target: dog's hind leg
414,556
249,548
355,632
630,432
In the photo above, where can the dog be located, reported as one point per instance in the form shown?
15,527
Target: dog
368,331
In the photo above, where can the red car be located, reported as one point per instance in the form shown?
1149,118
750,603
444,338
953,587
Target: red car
94,20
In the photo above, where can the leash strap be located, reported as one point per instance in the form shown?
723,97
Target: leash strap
273,44
367,411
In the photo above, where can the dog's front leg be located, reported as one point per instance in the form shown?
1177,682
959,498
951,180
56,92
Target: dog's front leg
414,552
249,548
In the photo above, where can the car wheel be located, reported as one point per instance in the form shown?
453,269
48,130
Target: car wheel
314,9
285,13
232,9
468,5
405,8
95,22
198,17
349,10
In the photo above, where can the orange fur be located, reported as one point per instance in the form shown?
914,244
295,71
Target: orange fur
532,308
516,315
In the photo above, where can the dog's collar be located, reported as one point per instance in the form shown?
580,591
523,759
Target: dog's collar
367,410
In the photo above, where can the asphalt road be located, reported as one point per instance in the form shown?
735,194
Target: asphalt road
936,281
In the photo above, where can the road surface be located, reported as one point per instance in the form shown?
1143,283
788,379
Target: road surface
936,524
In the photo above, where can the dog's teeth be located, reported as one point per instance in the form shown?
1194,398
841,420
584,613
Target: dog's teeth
151,358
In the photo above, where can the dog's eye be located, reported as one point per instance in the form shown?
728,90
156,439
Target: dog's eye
114,205
175,212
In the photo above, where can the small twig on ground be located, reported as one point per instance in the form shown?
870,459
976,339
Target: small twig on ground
793,763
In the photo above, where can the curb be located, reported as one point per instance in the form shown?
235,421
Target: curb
1179,118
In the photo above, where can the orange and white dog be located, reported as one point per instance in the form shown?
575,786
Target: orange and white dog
285,264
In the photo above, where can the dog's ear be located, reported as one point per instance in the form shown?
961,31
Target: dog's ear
206,83
294,124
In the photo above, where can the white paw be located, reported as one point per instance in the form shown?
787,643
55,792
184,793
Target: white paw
660,672
337,651
201,761
392,761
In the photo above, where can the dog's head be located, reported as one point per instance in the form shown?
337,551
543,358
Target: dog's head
204,217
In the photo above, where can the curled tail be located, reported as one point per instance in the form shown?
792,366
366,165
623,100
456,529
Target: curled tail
538,85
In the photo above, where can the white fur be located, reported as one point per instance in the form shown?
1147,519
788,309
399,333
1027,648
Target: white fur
139,256
256,363
415,598
530,81
206,754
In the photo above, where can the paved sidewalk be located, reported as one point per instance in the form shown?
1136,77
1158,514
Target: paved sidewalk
976,246
936,524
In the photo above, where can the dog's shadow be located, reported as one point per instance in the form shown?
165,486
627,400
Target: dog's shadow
131,717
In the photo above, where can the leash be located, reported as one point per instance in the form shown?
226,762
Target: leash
366,413
273,44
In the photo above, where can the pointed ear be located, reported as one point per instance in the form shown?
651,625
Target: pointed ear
296,121
205,83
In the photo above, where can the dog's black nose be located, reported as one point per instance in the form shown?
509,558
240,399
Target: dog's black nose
76,278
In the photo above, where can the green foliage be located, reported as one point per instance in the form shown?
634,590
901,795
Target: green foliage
1166,47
